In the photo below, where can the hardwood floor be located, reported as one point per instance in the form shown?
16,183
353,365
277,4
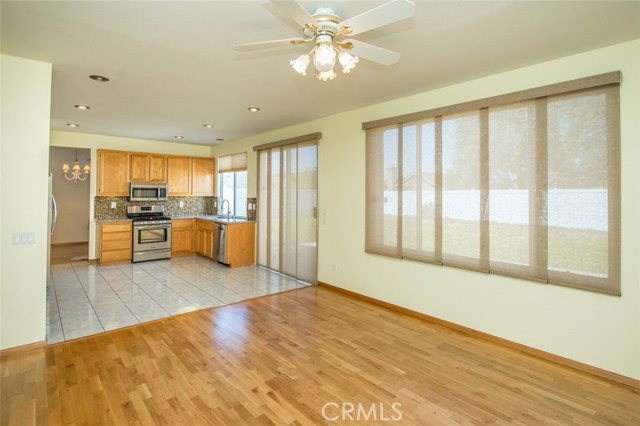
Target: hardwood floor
69,252
280,359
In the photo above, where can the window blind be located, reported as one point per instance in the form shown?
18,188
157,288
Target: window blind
232,163
287,206
527,188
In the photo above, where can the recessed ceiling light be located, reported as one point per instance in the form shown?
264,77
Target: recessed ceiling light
179,137
219,139
253,109
208,126
82,107
73,125
99,78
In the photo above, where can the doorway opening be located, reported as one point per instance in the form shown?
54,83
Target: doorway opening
70,229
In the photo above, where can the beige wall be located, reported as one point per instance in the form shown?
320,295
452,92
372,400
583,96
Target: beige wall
72,198
26,99
600,330
95,142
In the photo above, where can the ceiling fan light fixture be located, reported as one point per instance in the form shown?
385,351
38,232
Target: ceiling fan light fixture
326,75
324,57
348,61
301,63
326,30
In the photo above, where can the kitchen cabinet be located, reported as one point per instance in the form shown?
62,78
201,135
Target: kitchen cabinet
179,175
202,176
241,243
206,238
158,168
183,175
113,173
147,167
182,236
115,242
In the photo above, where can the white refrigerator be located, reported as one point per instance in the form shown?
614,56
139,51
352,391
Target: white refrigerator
53,217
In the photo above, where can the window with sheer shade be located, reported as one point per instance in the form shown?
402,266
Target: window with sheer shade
232,181
525,185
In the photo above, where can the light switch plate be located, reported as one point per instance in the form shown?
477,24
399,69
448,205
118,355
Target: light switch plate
22,238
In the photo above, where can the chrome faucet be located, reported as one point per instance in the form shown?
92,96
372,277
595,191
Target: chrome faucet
228,208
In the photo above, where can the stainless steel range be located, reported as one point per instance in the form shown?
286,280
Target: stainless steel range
151,233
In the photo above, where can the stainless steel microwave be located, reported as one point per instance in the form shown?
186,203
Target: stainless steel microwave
148,191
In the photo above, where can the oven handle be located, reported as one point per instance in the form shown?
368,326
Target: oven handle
167,226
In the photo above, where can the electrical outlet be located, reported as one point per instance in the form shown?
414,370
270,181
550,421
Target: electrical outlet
113,204
181,204
335,267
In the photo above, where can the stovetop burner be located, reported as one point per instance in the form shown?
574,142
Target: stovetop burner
148,218
146,213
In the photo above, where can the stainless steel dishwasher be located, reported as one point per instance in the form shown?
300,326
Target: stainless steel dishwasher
221,250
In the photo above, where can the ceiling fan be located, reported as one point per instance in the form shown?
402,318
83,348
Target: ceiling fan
326,30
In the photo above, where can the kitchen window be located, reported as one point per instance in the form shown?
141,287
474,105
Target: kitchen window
525,185
232,178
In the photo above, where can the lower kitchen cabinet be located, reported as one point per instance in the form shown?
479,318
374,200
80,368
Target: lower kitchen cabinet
206,238
182,236
115,242
240,241
241,244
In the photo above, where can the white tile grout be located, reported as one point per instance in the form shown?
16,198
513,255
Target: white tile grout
196,281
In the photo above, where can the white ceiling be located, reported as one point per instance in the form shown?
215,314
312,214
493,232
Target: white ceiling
172,68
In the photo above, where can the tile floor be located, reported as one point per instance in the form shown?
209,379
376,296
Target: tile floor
86,299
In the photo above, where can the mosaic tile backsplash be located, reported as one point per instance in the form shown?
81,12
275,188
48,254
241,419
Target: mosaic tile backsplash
251,208
193,206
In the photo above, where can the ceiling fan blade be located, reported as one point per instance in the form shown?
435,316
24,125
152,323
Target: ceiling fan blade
267,44
388,13
373,53
295,11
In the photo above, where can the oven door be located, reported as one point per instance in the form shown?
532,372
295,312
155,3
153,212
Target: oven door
151,237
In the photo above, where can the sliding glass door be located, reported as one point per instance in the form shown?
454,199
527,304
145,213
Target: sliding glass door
287,200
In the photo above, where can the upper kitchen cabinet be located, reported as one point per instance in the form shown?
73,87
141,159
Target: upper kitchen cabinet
148,168
113,173
183,175
202,176
158,168
179,175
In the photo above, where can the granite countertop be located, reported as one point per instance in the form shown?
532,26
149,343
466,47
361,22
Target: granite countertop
213,218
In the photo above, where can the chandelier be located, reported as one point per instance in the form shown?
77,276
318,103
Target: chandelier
324,54
74,173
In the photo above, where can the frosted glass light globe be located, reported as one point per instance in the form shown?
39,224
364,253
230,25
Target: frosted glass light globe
324,58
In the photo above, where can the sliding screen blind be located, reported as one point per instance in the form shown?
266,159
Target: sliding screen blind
525,186
419,191
287,200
